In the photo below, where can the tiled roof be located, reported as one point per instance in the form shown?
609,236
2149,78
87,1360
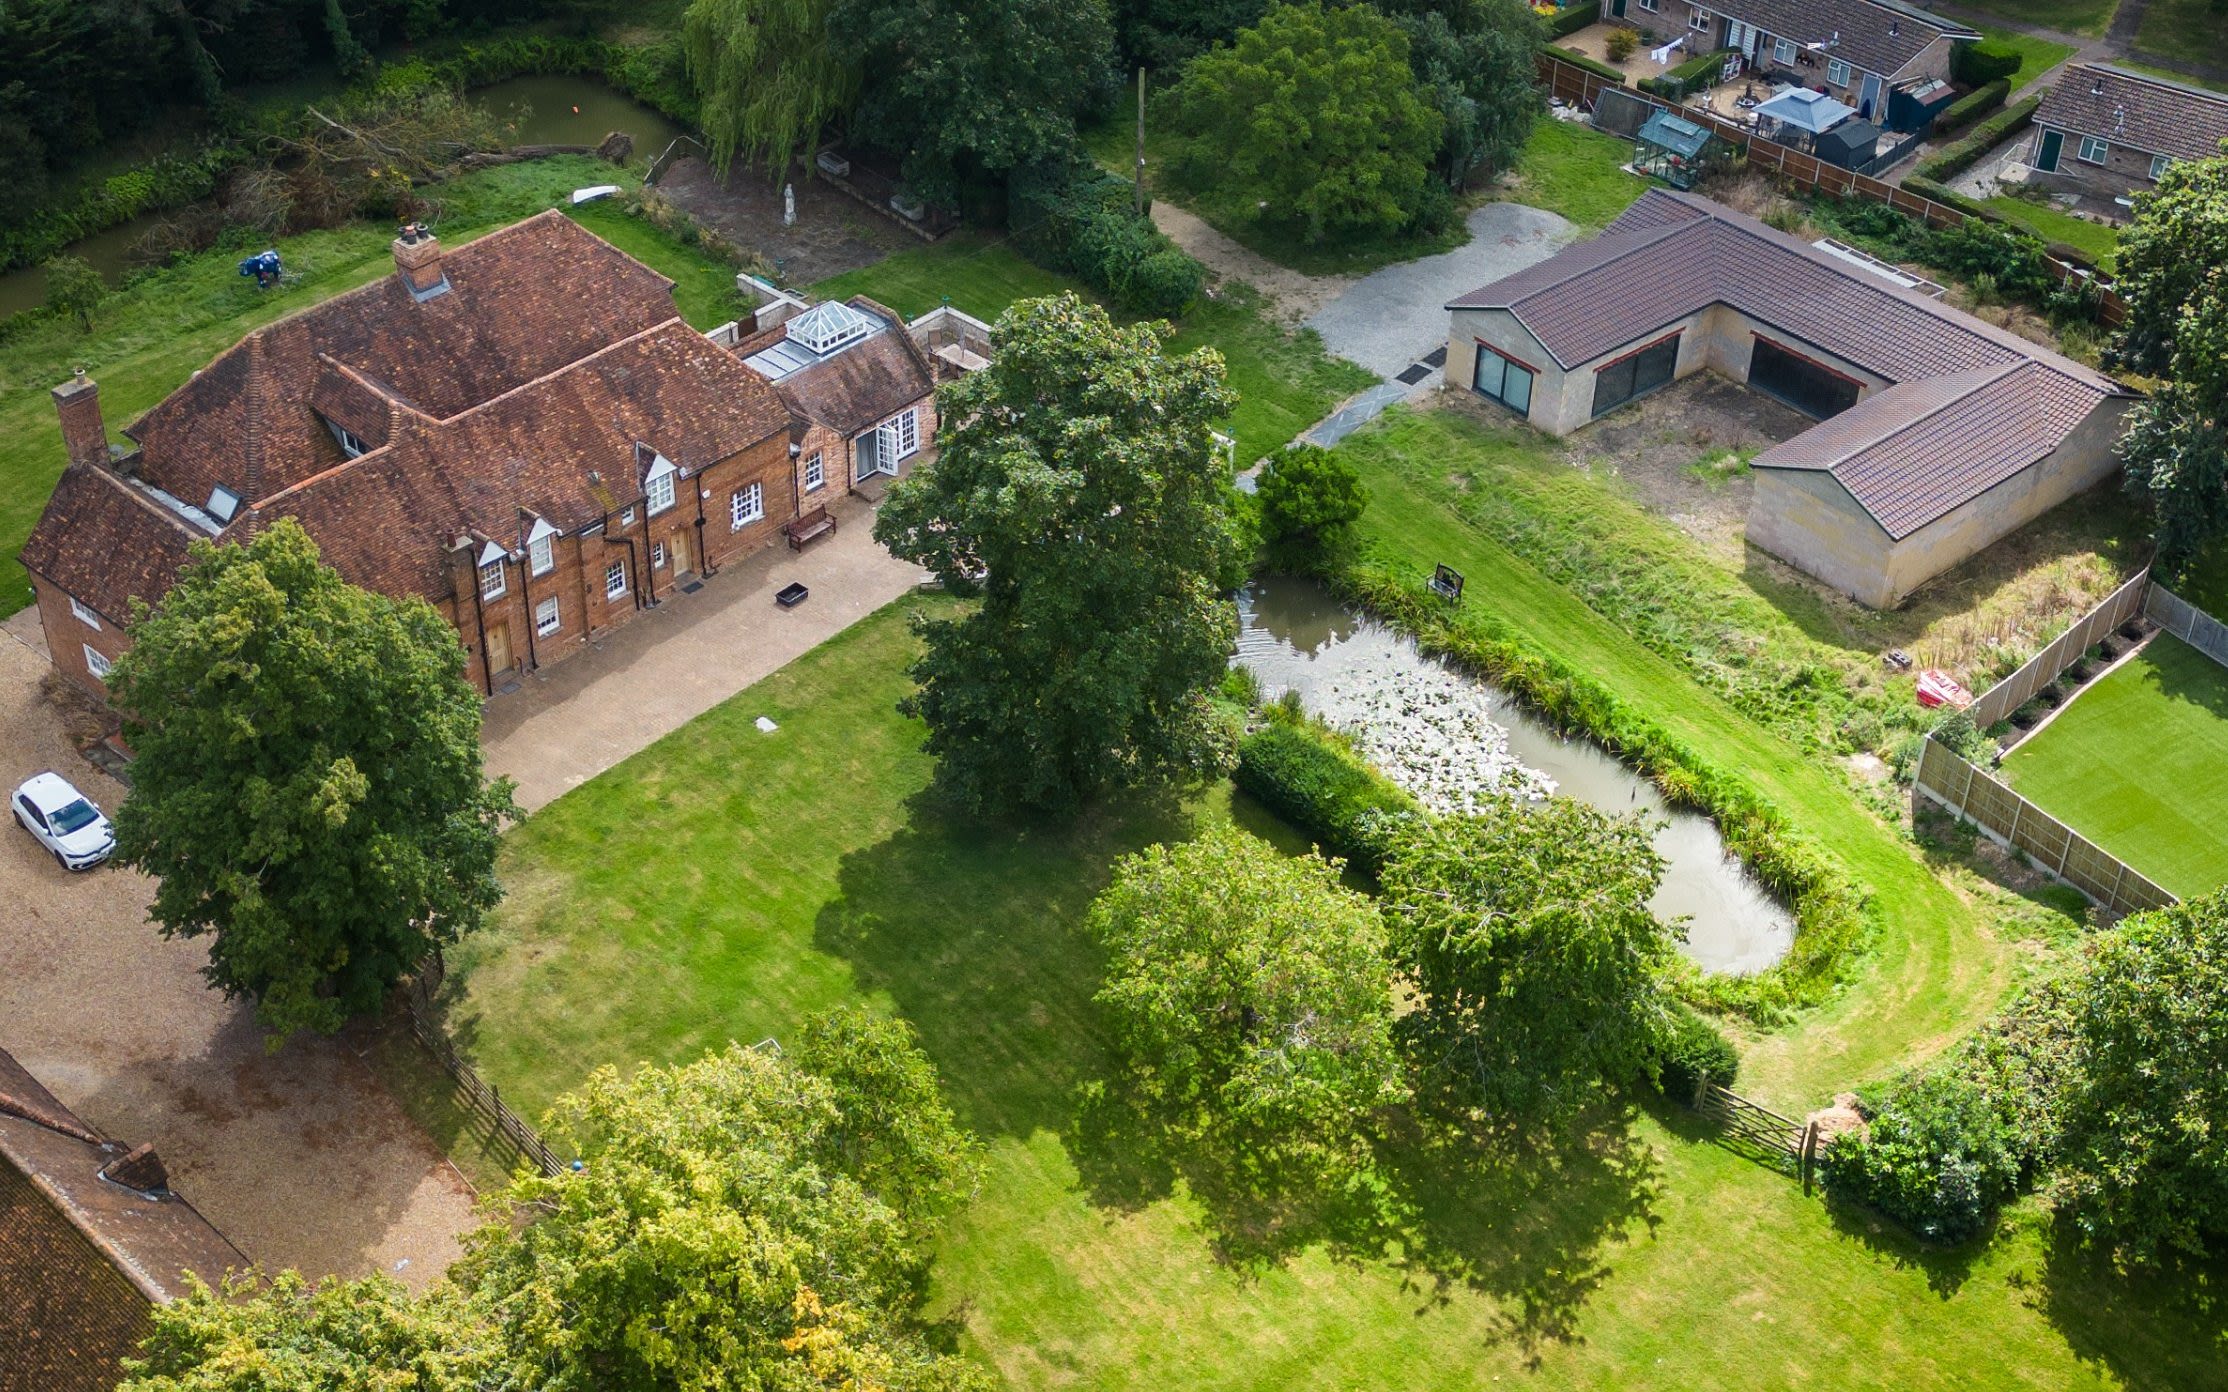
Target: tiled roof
523,302
104,540
866,382
1881,38
1968,403
2146,113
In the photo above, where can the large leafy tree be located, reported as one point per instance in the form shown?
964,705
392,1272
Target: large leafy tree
258,1335
1251,995
1538,964
1078,492
308,787
2173,274
1310,501
1477,61
2145,1149
769,76
967,87
1316,109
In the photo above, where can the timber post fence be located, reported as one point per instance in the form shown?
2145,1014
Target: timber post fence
1581,88
2000,700
478,1094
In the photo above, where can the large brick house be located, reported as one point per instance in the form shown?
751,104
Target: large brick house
1863,52
2110,133
521,430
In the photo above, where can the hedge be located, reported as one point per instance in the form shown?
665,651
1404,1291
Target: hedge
1570,21
1592,65
1073,216
1978,64
1972,106
1305,776
1689,1051
1831,912
1956,159
1943,193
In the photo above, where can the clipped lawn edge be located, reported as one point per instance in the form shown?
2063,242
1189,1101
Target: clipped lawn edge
1834,925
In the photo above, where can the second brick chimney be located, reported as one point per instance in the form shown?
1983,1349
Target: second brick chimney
418,262
84,433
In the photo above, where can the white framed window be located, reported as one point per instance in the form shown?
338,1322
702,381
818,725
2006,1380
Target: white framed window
615,579
2158,167
661,492
546,618
1783,50
1837,73
2094,150
350,444
745,506
626,519
1649,5
85,616
816,473
657,555
898,437
541,554
1698,19
492,583
95,663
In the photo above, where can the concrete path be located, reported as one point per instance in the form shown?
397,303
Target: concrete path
302,1158
670,665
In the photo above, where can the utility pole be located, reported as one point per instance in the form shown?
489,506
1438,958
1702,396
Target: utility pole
1140,190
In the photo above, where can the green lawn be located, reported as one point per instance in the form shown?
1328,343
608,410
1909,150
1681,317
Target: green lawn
2066,16
2101,766
2036,55
1576,171
724,883
2101,241
2195,29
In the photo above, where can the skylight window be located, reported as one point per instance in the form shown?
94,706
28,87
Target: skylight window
828,326
223,503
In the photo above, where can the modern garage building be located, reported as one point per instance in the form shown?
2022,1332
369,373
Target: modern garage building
1937,433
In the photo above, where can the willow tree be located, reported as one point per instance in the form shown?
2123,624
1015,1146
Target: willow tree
767,75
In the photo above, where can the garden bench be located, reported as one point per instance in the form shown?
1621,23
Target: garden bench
815,523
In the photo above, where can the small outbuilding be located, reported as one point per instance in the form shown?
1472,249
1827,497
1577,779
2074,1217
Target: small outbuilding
1671,148
1798,116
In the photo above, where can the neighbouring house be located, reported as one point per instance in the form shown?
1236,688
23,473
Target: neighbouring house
521,430
2110,133
91,1237
1937,433
1888,60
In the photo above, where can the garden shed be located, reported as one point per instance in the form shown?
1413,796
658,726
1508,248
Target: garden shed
1671,148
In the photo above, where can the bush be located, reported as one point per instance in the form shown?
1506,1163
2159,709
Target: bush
1940,1160
1978,64
1690,1051
1977,247
1956,159
1621,44
1304,776
1073,216
1971,107
1310,501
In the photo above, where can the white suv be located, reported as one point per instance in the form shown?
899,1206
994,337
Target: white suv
64,820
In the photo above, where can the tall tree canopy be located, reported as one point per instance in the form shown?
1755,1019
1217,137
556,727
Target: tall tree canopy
1310,501
1317,108
1477,62
1077,490
768,75
2172,269
2145,1150
1251,994
308,788
966,87
1528,934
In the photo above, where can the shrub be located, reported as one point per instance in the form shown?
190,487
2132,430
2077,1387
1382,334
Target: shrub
1304,776
1073,216
1310,501
1976,247
1690,1051
1971,107
74,289
1939,1159
1957,158
1978,64
1621,44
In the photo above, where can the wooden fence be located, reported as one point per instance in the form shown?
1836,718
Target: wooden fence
477,1093
1582,87
1757,1131
2187,622
1999,701
2006,817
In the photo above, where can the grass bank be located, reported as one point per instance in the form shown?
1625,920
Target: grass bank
2099,241
724,883
2036,55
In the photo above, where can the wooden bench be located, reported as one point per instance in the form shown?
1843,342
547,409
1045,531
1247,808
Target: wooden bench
816,523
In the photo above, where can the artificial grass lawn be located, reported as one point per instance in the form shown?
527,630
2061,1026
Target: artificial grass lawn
1285,381
2138,763
725,883
1577,171
2036,55
2195,29
2100,241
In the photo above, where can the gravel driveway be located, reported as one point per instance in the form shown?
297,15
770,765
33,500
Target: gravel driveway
1390,318
300,1157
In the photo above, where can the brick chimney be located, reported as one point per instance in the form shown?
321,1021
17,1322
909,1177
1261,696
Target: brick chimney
139,1169
84,434
418,261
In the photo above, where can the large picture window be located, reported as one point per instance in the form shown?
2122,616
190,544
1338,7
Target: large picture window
1803,383
1503,379
1635,374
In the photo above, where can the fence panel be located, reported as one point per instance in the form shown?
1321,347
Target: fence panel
1999,701
2188,622
476,1092
2007,817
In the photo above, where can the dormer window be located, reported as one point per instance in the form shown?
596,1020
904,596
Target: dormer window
350,444
223,504
657,482
493,583
541,548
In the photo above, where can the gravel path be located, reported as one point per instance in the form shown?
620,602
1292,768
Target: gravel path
1295,294
301,1157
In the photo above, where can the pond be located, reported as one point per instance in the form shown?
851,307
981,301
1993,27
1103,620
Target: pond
562,110
1444,735
108,252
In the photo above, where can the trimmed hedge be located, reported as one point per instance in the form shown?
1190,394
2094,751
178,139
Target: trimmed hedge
1592,65
1310,780
1972,106
1943,193
1978,64
1831,913
1570,21
1956,159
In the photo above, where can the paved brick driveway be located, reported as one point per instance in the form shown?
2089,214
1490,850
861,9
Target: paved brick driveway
301,1157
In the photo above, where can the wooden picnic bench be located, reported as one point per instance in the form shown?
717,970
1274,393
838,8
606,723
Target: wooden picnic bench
816,523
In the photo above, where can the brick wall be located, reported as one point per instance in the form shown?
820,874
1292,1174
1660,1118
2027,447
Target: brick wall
68,636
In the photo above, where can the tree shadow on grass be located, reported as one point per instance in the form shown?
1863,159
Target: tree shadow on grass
2164,1328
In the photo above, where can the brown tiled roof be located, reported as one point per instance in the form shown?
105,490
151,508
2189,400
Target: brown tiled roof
1881,38
523,302
1935,439
103,540
2146,113
867,382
